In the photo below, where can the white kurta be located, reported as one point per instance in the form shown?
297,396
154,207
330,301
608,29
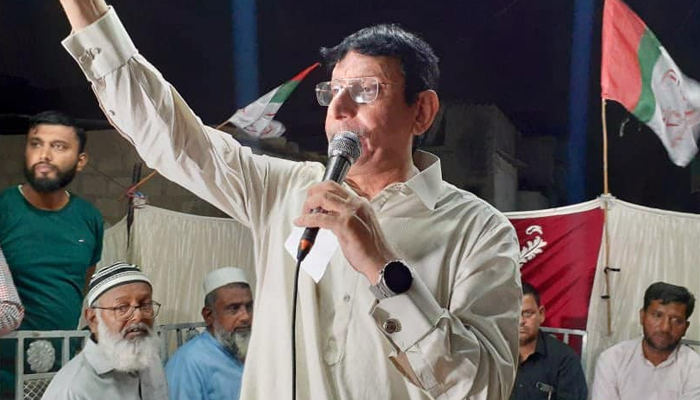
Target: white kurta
90,375
623,373
457,323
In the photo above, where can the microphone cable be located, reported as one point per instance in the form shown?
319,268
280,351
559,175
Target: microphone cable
294,330
343,150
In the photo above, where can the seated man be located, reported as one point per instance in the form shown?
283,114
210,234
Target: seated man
120,360
210,366
655,367
549,369
11,310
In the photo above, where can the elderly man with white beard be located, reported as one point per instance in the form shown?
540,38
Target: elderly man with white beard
120,360
210,366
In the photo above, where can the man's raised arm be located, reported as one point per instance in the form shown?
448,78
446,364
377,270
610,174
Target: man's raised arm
148,112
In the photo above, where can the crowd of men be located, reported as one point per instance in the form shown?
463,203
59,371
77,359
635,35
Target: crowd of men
121,359
655,366
392,318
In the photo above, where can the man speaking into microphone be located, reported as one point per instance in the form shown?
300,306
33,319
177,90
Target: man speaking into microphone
422,297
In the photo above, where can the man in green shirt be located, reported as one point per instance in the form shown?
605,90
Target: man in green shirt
51,238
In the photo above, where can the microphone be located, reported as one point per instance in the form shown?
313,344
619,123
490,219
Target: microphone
343,150
543,387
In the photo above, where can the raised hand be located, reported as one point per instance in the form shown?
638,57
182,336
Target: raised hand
82,13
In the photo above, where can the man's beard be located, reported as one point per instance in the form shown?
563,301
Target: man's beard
527,334
525,340
128,355
236,342
48,185
670,346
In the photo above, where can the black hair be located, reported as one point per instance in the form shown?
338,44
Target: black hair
529,289
667,293
419,63
59,118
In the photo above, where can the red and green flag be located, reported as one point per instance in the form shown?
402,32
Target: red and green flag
256,119
638,72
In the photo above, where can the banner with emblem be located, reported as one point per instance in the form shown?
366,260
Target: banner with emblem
558,256
638,72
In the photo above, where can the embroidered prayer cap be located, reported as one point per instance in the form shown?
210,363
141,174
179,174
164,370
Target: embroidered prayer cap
119,273
222,277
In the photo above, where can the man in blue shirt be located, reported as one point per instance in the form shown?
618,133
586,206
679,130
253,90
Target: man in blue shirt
210,366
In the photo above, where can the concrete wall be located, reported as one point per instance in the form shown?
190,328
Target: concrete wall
476,144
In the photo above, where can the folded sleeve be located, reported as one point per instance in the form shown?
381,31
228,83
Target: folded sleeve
467,349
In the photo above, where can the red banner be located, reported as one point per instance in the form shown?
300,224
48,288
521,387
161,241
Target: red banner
559,253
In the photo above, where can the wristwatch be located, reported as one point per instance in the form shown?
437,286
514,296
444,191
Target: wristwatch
395,278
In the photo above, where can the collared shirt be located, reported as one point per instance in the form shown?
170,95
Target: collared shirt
203,370
452,335
553,368
623,373
90,375
11,310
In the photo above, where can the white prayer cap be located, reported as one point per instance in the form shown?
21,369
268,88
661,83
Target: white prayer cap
222,277
117,274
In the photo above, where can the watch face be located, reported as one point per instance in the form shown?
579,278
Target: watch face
398,277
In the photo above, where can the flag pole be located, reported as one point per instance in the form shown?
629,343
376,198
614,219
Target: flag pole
606,270
131,189
606,193
606,188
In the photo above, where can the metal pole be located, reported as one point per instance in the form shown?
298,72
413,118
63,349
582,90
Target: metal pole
578,99
245,51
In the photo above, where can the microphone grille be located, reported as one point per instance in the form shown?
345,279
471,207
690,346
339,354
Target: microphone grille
346,144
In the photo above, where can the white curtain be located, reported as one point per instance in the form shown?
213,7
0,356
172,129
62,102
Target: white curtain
113,249
647,245
114,245
177,250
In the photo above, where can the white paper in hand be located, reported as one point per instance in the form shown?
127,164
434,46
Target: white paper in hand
317,260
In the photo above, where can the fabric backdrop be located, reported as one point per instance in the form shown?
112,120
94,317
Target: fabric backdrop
647,245
559,253
176,250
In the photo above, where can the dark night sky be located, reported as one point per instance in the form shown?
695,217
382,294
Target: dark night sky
512,53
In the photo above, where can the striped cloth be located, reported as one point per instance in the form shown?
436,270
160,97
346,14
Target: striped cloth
119,273
11,310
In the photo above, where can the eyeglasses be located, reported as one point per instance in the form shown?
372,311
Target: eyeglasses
124,312
361,90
